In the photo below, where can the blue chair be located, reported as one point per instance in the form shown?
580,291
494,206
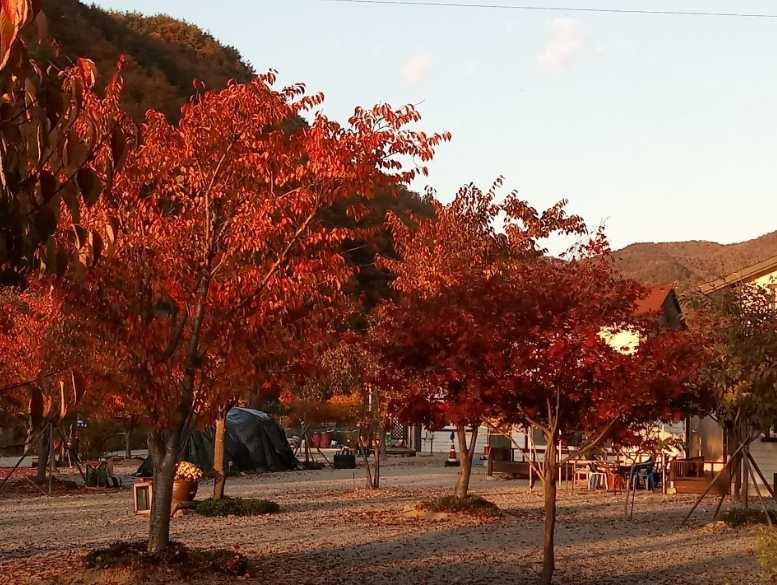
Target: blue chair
646,477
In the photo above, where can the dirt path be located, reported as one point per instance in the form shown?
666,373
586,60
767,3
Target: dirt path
332,532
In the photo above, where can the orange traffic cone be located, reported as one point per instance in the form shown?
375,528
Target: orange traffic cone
452,460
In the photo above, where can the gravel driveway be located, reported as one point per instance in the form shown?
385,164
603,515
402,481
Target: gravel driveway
333,532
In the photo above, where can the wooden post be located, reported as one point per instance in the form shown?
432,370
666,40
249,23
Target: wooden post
663,473
746,463
218,456
720,503
52,455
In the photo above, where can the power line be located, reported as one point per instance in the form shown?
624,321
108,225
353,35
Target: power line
537,8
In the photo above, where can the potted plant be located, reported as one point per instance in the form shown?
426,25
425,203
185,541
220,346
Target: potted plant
186,481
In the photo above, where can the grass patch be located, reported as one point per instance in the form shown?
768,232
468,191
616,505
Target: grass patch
236,507
471,505
175,558
738,517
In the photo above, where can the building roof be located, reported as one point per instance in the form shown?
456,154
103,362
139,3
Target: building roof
653,301
760,269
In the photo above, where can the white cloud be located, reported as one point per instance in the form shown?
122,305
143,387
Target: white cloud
416,68
563,45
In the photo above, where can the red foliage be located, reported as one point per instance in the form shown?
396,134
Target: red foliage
220,238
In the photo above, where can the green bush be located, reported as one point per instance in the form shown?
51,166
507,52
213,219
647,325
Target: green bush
737,517
472,505
767,551
236,507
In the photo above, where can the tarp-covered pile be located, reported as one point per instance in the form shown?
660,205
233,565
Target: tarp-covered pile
254,442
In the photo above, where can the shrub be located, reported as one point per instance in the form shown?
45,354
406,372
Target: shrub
737,517
767,551
472,505
236,507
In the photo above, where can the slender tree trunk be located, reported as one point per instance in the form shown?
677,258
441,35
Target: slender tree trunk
164,452
379,447
44,450
376,469
218,456
128,443
365,442
165,444
465,465
549,487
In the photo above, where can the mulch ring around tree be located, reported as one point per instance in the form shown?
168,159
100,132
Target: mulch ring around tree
176,563
450,507
25,486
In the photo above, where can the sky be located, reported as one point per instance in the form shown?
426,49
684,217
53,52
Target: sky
664,128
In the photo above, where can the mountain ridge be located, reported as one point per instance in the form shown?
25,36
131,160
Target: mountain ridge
693,262
163,55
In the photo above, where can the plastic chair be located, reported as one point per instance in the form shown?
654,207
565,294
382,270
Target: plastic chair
647,478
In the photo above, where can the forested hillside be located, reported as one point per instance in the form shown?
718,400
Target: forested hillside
164,55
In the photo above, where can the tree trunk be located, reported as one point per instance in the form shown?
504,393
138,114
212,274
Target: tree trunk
128,444
549,488
376,469
218,456
164,452
465,464
44,450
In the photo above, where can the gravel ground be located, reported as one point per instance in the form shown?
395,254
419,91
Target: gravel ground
333,532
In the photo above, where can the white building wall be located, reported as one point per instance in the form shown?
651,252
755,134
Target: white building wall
765,454
440,441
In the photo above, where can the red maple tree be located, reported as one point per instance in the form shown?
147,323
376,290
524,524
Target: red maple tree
438,339
489,327
578,358
219,233
40,374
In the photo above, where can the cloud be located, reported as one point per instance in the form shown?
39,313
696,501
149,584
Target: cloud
563,45
416,68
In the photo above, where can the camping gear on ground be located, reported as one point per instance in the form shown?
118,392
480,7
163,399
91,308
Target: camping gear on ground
254,442
345,459
101,476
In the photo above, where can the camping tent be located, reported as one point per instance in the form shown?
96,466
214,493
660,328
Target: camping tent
254,442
